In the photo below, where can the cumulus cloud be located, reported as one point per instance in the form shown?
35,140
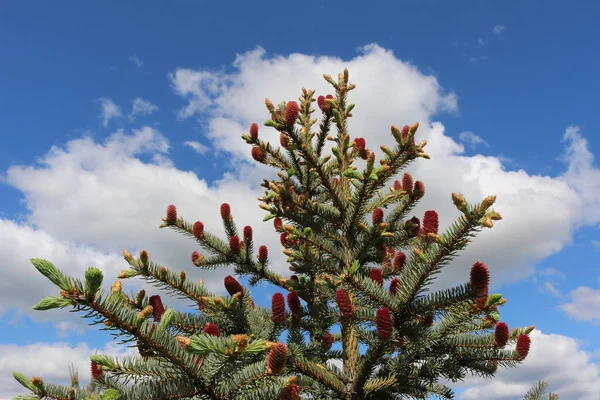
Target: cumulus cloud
557,359
141,107
27,286
196,146
51,362
105,196
553,206
108,110
584,306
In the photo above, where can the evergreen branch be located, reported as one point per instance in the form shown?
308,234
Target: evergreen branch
320,374
365,368
455,240
126,321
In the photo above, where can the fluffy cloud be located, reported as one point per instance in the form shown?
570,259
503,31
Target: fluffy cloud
390,91
109,110
141,107
88,201
557,359
585,305
54,366
27,286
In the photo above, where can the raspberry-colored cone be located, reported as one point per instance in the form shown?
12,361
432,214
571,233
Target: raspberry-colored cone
277,223
247,233
329,96
430,222
254,131
480,277
171,214
394,286
195,257
501,334
212,329
294,303
234,244
157,307
283,238
399,261
291,112
278,308
397,185
407,182
376,276
377,216
384,323
321,102
290,392
344,303
258,154
523,344
428,320
232,285
327,340
360,144
419,189
335,181
294,278
97,371
277,359
198,229
225,211
284,141
263,253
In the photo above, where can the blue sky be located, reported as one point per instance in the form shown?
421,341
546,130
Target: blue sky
514,84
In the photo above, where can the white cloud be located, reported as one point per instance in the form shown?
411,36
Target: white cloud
27,286
498,29
141,107
472,139
553,207
136,60
556,359
585,305
109,110
197,146
51,362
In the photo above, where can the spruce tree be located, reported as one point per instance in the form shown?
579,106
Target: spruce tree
361,267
